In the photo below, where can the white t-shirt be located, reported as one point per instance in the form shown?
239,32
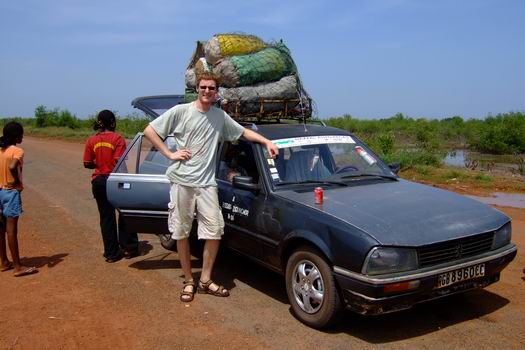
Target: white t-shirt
201,133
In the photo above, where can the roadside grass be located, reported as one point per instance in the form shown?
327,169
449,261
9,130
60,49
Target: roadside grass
465,180
126,127
456,179
61,133
420,159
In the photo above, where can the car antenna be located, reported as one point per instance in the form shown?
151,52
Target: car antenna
301,105
304,123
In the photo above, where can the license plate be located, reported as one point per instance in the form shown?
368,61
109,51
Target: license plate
459,275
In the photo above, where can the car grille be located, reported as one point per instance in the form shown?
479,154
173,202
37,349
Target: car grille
452,250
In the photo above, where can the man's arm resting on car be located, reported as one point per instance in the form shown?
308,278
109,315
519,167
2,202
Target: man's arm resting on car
250,135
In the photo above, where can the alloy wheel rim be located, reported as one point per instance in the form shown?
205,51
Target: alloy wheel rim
308,286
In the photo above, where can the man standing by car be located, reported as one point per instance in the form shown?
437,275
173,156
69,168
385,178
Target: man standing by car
197,128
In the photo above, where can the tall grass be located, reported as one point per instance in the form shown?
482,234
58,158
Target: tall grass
399,138
60,123
421,141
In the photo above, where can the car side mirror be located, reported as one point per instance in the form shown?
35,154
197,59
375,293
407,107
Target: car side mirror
245,183
394,167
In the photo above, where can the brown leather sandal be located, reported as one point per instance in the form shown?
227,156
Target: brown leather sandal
186,296
204,288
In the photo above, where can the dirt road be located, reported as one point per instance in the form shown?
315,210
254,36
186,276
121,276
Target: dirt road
79,301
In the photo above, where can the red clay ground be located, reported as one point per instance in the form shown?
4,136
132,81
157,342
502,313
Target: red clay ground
79,301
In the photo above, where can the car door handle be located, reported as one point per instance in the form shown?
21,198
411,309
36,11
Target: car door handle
124,185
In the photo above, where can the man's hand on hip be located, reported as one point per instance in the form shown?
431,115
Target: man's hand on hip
181,154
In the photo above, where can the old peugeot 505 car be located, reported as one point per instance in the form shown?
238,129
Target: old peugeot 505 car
376,243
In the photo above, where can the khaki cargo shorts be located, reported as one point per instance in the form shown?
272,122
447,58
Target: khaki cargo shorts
184,200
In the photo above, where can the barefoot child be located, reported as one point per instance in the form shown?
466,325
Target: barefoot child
11,161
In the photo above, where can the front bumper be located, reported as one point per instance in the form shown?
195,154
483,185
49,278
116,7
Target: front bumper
366,294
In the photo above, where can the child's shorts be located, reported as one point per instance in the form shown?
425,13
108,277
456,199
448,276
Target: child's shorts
10,203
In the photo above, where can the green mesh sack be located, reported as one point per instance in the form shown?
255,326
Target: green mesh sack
266,65
225,45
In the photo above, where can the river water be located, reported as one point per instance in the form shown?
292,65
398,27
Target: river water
513,200
479,161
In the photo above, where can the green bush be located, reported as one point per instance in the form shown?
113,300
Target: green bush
41,116
131,124
411,158
66,119
46,118
483,178
386,143
454,174
502,134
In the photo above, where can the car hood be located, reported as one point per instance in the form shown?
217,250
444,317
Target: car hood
403,213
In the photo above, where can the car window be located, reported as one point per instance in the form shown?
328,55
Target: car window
237,159
322,158
150,161
129,164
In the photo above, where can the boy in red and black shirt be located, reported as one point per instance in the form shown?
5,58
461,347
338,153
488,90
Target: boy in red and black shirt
101,153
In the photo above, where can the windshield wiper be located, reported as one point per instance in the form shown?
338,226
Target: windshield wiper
390,177
322,182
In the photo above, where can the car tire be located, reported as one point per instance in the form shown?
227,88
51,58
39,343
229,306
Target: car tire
311,288
167,242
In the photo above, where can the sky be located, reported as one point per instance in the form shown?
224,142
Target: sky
368,59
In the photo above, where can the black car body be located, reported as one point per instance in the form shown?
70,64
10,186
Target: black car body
376,244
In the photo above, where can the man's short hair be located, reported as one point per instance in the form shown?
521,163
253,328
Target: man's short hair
208,76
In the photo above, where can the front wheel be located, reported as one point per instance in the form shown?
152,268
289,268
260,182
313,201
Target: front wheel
311,289
167,243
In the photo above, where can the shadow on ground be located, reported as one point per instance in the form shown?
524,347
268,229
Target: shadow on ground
422,319
231,266
41,261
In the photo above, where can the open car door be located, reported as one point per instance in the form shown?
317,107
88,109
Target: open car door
139,189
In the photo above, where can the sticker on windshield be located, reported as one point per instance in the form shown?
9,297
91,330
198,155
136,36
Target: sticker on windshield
270,161
312,140
364,154
275,176
273,170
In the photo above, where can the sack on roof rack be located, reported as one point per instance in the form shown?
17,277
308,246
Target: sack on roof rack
263,84
225,45
270,64
275,99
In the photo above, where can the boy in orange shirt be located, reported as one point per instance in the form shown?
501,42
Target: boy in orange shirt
11,186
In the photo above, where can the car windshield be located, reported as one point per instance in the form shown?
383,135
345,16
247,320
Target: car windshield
327,159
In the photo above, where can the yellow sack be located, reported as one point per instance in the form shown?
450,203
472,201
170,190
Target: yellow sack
225,45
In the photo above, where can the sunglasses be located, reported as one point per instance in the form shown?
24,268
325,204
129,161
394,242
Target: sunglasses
211,88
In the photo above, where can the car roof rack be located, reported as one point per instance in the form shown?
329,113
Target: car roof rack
287,121
274,111
268,109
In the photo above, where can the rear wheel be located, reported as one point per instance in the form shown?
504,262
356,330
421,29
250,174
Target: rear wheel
311,289
167,243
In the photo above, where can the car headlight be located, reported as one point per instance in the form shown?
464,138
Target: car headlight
382,260
502,236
